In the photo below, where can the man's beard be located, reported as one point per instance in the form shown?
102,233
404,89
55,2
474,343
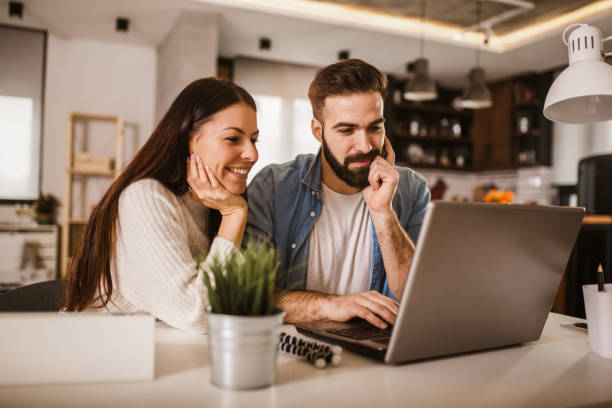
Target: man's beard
354,178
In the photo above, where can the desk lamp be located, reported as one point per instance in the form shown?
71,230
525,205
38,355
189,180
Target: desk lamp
582,93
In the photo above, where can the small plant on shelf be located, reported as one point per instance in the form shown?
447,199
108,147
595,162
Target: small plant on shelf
45,209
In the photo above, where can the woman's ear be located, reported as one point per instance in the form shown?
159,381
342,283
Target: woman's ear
191,143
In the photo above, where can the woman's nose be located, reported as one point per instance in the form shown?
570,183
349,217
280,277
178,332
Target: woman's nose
250,153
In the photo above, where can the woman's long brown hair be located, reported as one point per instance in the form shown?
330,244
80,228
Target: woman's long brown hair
163,158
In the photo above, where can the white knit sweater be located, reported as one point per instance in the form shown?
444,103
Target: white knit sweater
159,235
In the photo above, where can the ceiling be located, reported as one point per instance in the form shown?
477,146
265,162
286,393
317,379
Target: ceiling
303,34
462,13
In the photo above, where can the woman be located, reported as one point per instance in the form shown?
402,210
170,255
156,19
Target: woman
180,194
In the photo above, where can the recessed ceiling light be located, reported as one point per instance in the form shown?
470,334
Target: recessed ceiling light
122,24
15,9
265,44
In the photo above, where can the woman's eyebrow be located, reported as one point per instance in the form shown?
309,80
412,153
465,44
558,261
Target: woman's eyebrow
235,128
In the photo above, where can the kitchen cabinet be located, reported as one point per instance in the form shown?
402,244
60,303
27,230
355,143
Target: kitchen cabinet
512,133
429,134
30,254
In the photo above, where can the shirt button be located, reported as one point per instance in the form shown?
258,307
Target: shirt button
312,214
293,245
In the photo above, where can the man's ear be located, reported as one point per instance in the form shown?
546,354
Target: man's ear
317,129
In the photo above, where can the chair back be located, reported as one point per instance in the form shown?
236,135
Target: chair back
38,297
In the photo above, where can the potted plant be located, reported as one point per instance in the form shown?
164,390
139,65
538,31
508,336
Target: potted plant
44,209
244,321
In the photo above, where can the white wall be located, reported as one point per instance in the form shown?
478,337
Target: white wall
188,52
94,77
574,142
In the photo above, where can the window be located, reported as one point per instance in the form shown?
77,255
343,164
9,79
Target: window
22,52
284,130
283,110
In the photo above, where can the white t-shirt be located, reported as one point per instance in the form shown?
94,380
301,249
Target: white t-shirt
340,245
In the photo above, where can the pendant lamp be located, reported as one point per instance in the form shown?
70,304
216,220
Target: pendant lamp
476,94
583,91
421,87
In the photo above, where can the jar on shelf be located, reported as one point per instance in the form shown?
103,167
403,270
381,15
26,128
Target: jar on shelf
455,127
444,127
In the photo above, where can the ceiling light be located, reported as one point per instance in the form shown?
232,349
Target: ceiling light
265,44
583,91
421,87
343,55
122,24
15,9
476,94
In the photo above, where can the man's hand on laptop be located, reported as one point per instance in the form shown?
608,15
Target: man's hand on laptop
372,306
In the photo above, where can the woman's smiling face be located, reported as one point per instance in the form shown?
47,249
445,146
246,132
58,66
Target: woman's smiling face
226,144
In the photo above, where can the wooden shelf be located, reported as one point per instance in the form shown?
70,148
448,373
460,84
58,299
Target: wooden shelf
74,227
526,166
78,221
451,140
433,167
93,116
99,173
536,103
423,107
532,134
27,227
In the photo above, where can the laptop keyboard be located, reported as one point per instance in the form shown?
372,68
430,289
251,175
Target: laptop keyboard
364,331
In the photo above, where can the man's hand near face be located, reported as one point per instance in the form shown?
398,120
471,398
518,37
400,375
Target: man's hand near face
383,180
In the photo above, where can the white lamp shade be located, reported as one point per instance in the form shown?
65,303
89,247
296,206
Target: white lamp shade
581,93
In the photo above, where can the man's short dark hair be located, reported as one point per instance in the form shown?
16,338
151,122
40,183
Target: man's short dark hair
344,78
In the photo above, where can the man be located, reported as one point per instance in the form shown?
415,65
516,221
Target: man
345,221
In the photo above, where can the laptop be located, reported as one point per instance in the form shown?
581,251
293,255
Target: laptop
483,276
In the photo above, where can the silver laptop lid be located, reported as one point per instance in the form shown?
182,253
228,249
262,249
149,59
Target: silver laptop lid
483,276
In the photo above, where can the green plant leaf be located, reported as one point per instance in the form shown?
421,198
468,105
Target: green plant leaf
244,282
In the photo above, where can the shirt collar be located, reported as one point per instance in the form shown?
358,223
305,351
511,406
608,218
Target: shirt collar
312,178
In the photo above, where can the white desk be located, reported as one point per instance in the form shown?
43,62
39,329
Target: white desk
557,371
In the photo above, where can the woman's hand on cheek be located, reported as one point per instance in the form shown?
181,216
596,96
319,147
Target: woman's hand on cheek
206,188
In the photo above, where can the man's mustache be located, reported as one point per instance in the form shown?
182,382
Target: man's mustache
358,157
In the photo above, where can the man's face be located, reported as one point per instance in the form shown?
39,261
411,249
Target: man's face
352,135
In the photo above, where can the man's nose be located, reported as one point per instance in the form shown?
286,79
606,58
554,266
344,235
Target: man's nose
362,142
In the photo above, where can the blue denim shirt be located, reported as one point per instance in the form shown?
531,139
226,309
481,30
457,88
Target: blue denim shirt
284,204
